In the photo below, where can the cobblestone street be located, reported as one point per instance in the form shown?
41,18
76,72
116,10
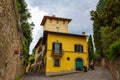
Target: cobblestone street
99,73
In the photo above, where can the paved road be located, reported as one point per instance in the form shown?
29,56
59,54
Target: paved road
99,73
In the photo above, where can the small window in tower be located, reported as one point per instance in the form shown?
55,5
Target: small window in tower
63,22
57,29
50,20
57,21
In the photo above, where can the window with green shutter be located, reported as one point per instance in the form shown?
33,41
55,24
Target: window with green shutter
78,48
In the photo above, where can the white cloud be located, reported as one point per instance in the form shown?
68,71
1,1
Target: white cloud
37,16
78,11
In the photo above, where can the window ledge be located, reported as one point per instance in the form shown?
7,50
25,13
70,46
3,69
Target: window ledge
57,54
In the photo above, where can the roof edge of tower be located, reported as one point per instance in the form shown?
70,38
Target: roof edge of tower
53,17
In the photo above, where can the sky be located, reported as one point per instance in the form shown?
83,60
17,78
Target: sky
77,10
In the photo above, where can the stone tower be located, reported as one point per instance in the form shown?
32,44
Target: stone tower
56,24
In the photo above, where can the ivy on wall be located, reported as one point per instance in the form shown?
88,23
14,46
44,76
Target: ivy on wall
26,28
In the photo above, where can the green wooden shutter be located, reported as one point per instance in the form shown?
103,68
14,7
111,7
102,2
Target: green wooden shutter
60,48
53,47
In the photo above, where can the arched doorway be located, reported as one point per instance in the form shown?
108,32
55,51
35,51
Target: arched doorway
79,64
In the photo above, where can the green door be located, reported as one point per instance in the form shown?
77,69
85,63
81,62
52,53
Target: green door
79,65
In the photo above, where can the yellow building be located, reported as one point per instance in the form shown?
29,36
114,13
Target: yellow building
63,52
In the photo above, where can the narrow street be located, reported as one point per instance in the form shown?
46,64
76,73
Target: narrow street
99,73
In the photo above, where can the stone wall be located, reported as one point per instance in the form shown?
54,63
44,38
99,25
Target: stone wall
114,67
11,65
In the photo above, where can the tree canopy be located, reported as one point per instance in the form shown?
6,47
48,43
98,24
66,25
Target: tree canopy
90,48
106,25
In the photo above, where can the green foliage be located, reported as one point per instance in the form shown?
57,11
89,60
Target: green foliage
96,56
23,11
18,6
19,77
39,50
33,51
90,48
96,33
114,51
27,32
106,25
24,16
22,6
32,59
106,38
25,51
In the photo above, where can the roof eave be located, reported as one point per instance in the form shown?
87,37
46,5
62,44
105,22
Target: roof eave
45,17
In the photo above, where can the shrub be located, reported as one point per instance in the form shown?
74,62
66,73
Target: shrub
114,51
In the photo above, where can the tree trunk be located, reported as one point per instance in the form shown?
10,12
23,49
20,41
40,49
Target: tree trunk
103,63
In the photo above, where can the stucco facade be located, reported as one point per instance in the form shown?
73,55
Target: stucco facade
68,42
